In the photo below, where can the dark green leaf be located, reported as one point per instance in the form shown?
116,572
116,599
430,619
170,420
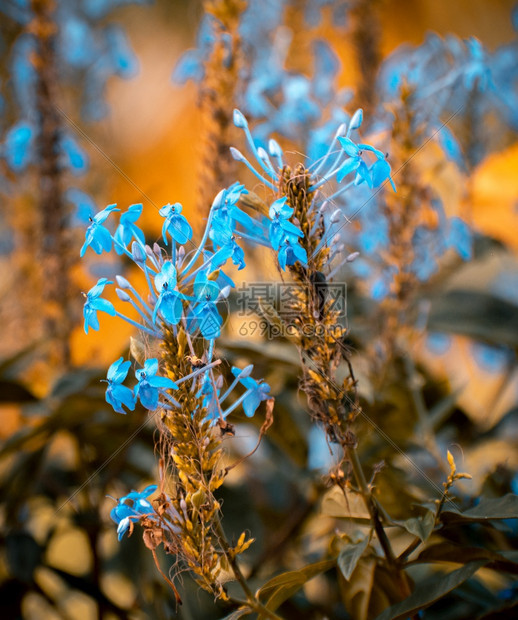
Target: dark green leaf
349,556
420,526
430,591
14,392
282,587
505,507
448,552
23,555
475,314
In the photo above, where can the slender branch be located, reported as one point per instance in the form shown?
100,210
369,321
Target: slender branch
251,601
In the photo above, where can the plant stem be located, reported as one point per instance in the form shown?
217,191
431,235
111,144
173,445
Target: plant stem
372,507
251,601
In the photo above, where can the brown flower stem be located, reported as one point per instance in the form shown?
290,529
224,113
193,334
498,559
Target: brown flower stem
52,242
251,601
373,509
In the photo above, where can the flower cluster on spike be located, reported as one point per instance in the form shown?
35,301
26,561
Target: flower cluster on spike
182,293
185,288
345,160
186,285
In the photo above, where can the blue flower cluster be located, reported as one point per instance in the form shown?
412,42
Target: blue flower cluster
184,291
88,52
279,100
448,75
452,77
344,160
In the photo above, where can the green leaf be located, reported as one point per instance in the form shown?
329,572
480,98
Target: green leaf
506,561
429,591
420,526
505,507
349,556
357,592
283,586
477,315
336,504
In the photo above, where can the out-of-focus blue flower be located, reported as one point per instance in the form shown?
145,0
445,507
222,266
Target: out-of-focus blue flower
175,224
23,73
450,146
149,384
123,60
85,206
169,302
118,395
438,343
132,507
18,146
126,230
77,41
259,391
190,65
74,156
97,236
94,304
460,238
492,359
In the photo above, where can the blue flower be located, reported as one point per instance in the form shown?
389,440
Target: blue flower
85,206
209,401
291,251
97,236
73,155
258,391
169,302
280,225
356,163
227,214
18,146
223,238
204,314
149,384
175,224
94,303
118,395
132,507
126,230
380,171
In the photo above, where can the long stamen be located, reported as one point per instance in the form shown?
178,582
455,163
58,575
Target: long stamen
331,149
202,243
340,191
154,333
241,122
229,390
198,371
238,156
170,398
238,402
